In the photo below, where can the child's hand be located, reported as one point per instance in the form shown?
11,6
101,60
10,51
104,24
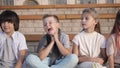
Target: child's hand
18,66
99,60
52,37
56,36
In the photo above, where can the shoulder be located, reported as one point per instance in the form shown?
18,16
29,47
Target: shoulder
1,35
18,35
64,35
111,37
44,38
79,34
100,35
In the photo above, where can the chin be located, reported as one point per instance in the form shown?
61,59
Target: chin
51,33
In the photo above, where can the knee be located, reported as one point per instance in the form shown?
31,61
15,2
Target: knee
30,58
73,58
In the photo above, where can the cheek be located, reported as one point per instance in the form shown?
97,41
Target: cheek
92,22
12,26
2,26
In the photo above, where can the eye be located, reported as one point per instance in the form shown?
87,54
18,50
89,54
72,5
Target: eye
82,18
50,22
45,24
86,18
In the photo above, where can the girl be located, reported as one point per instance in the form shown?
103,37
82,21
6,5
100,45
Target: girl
89,45
12,43
113,45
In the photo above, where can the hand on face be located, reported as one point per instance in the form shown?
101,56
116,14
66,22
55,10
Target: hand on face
51,26
54,36
52,30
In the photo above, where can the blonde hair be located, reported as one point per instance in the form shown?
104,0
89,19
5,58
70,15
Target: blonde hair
94,14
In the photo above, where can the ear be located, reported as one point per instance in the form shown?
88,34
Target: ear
96,21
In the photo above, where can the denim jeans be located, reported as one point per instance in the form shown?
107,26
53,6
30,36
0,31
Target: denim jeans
69,61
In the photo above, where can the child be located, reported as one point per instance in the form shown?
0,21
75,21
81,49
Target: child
89,45
113,45
54,48
12,43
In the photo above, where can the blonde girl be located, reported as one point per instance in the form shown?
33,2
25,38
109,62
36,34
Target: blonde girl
89,44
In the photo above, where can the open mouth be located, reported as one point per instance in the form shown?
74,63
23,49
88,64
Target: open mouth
83,24
49,29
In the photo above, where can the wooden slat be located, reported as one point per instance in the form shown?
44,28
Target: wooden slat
65,16
33,38
36,38
37,17
63,6
30,17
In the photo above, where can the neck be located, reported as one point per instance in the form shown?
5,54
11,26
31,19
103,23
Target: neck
9,34
89,30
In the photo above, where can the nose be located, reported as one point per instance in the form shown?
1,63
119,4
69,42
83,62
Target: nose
83,19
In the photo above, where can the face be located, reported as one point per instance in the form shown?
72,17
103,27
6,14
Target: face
87,21
8,27
51,25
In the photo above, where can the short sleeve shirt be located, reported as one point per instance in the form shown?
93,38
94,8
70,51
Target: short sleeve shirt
89,43
19,42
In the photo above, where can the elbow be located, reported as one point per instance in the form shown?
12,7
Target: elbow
41,57
66,53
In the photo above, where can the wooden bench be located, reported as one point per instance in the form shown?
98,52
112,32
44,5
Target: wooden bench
62,16
58,6
65,16
36,38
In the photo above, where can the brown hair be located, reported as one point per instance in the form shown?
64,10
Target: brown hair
94,14
116,29
11,17
48,15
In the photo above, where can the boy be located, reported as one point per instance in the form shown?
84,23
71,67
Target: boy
53,49
12,43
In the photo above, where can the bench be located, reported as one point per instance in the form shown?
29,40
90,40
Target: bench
36,38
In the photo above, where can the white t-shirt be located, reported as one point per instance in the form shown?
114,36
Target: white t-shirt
19,42
89,43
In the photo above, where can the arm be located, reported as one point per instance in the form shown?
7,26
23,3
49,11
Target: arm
104,55
96,59
21,58
64,51
81,58
75,49
43,52
85,58
111,61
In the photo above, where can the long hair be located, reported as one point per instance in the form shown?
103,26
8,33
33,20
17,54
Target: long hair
94,14
116,30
